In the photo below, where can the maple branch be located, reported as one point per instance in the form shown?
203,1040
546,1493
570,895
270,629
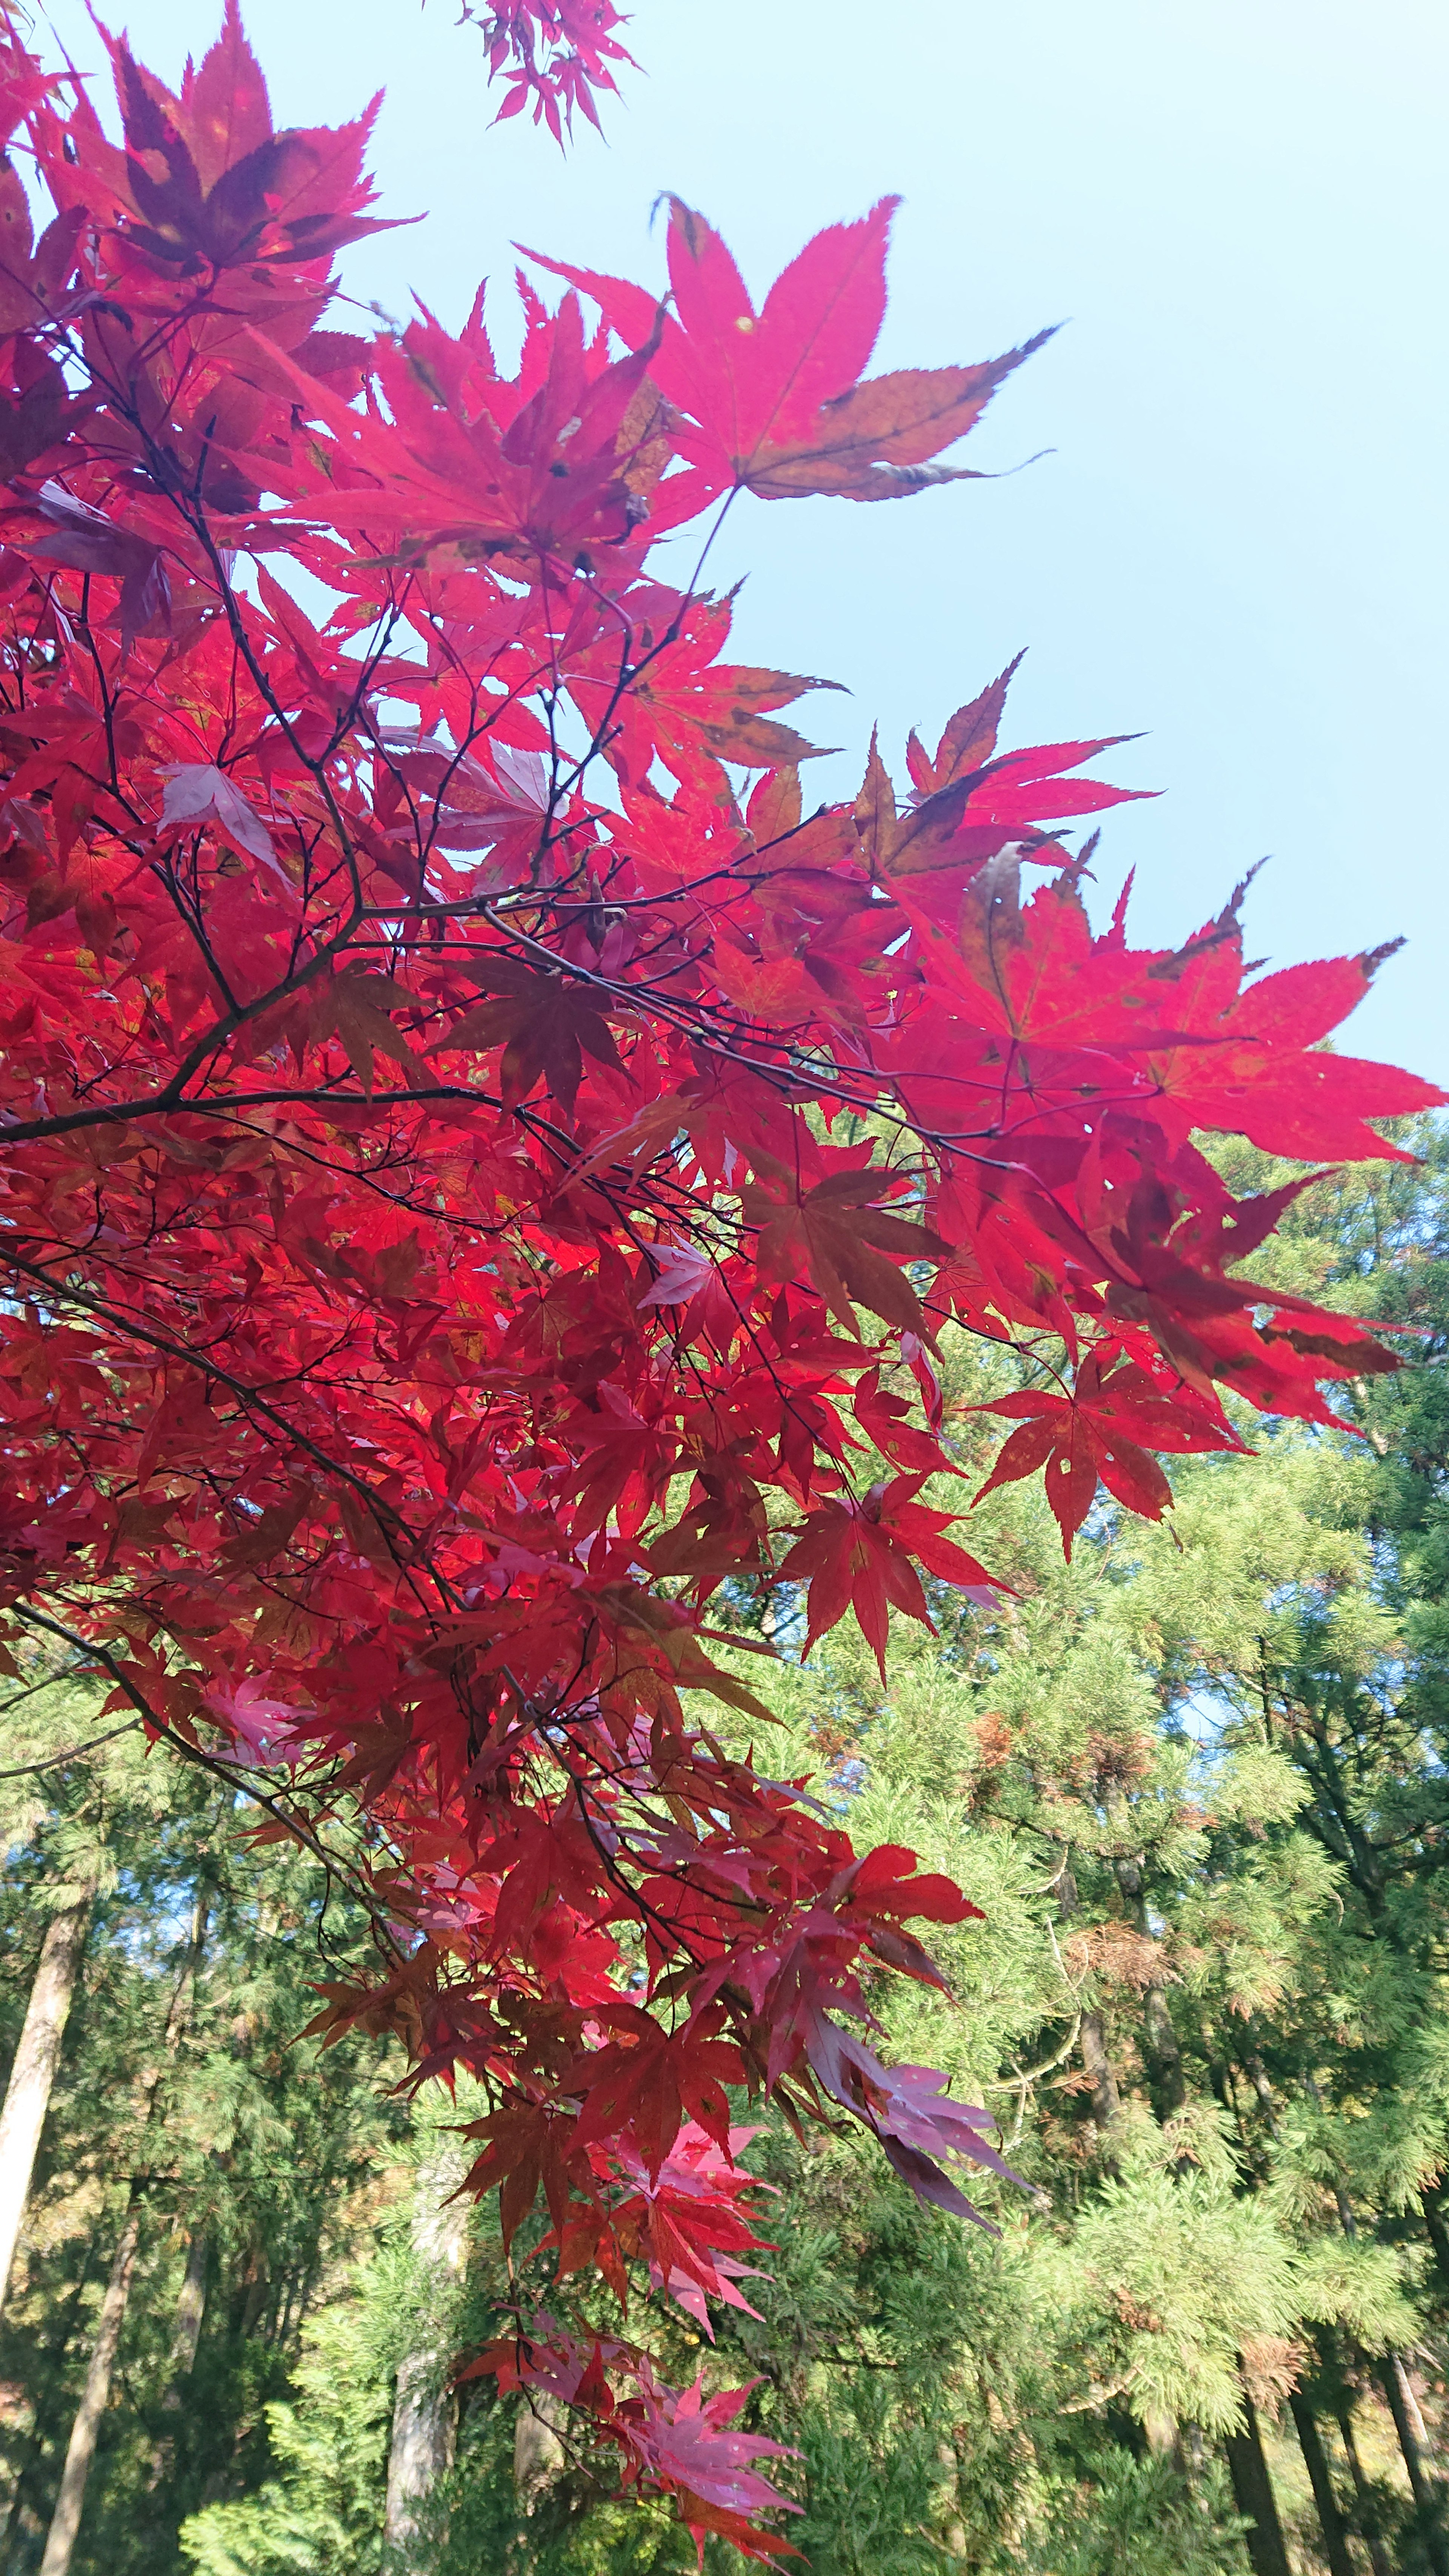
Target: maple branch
390,1522
229,1772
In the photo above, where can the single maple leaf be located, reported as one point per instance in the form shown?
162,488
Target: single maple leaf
206,183
771,400
545,1026
858,1555
199,792
91,542
672,697
841,1241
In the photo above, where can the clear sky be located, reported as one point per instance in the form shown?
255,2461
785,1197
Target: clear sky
1239,545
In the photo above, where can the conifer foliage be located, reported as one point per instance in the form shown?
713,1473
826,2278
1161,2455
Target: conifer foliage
476,1182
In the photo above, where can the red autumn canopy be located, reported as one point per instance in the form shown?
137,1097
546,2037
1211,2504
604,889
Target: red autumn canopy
475,1182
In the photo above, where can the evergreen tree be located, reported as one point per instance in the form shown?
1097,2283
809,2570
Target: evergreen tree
212,2174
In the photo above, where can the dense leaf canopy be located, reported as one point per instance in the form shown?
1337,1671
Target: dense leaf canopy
476,1183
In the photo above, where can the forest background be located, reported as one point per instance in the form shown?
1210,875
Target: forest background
1196,1781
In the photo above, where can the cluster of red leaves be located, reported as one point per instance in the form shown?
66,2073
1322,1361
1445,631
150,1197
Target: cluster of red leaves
553,55
676,2439
462,1207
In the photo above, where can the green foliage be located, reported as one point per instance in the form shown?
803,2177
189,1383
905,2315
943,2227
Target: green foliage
329,2443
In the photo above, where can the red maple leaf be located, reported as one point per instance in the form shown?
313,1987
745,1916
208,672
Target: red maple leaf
863,1555
1102,1431
774,400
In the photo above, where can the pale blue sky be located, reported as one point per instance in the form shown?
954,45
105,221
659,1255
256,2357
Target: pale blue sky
1238,546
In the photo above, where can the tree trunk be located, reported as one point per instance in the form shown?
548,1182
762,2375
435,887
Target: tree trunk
255,2299
1315,2460
1413,2442
1367,2511
423,2423
65,2521
1106,2100
190,2309
538,2453
185,2336
1253,2491
27,2097
1164,2057
1394,2380
1432,2204
85,2431
420,2453
1264,2090
1163,2054
52,2348
1092,2038
1403,2406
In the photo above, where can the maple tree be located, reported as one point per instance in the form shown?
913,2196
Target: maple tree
474,1187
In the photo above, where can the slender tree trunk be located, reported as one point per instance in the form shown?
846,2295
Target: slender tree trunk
538,2453
258,2284
1405,2407
27,2097
53,2348
1253,2491
1432,2204
1378,2555
1315,2460
284,2314
190,2309
1264,2090
185,2336
1106,2100
1163,2052
1092,2039
1164,2057
85,2431
423,2424
1393,2378
1409,2422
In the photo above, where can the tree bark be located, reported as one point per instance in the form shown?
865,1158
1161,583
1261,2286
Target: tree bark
85,2431
1432,2204
1378,2555
1393,2379
52,2348
1106,2100
1315,2460
538,2453
1164,2057
185,2336
1404,2408
1092,2039
1408,2422
190,2310
420,2453
27,2097
1413,2443
1253,2491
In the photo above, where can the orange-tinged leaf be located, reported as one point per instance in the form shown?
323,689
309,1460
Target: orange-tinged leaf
875,442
